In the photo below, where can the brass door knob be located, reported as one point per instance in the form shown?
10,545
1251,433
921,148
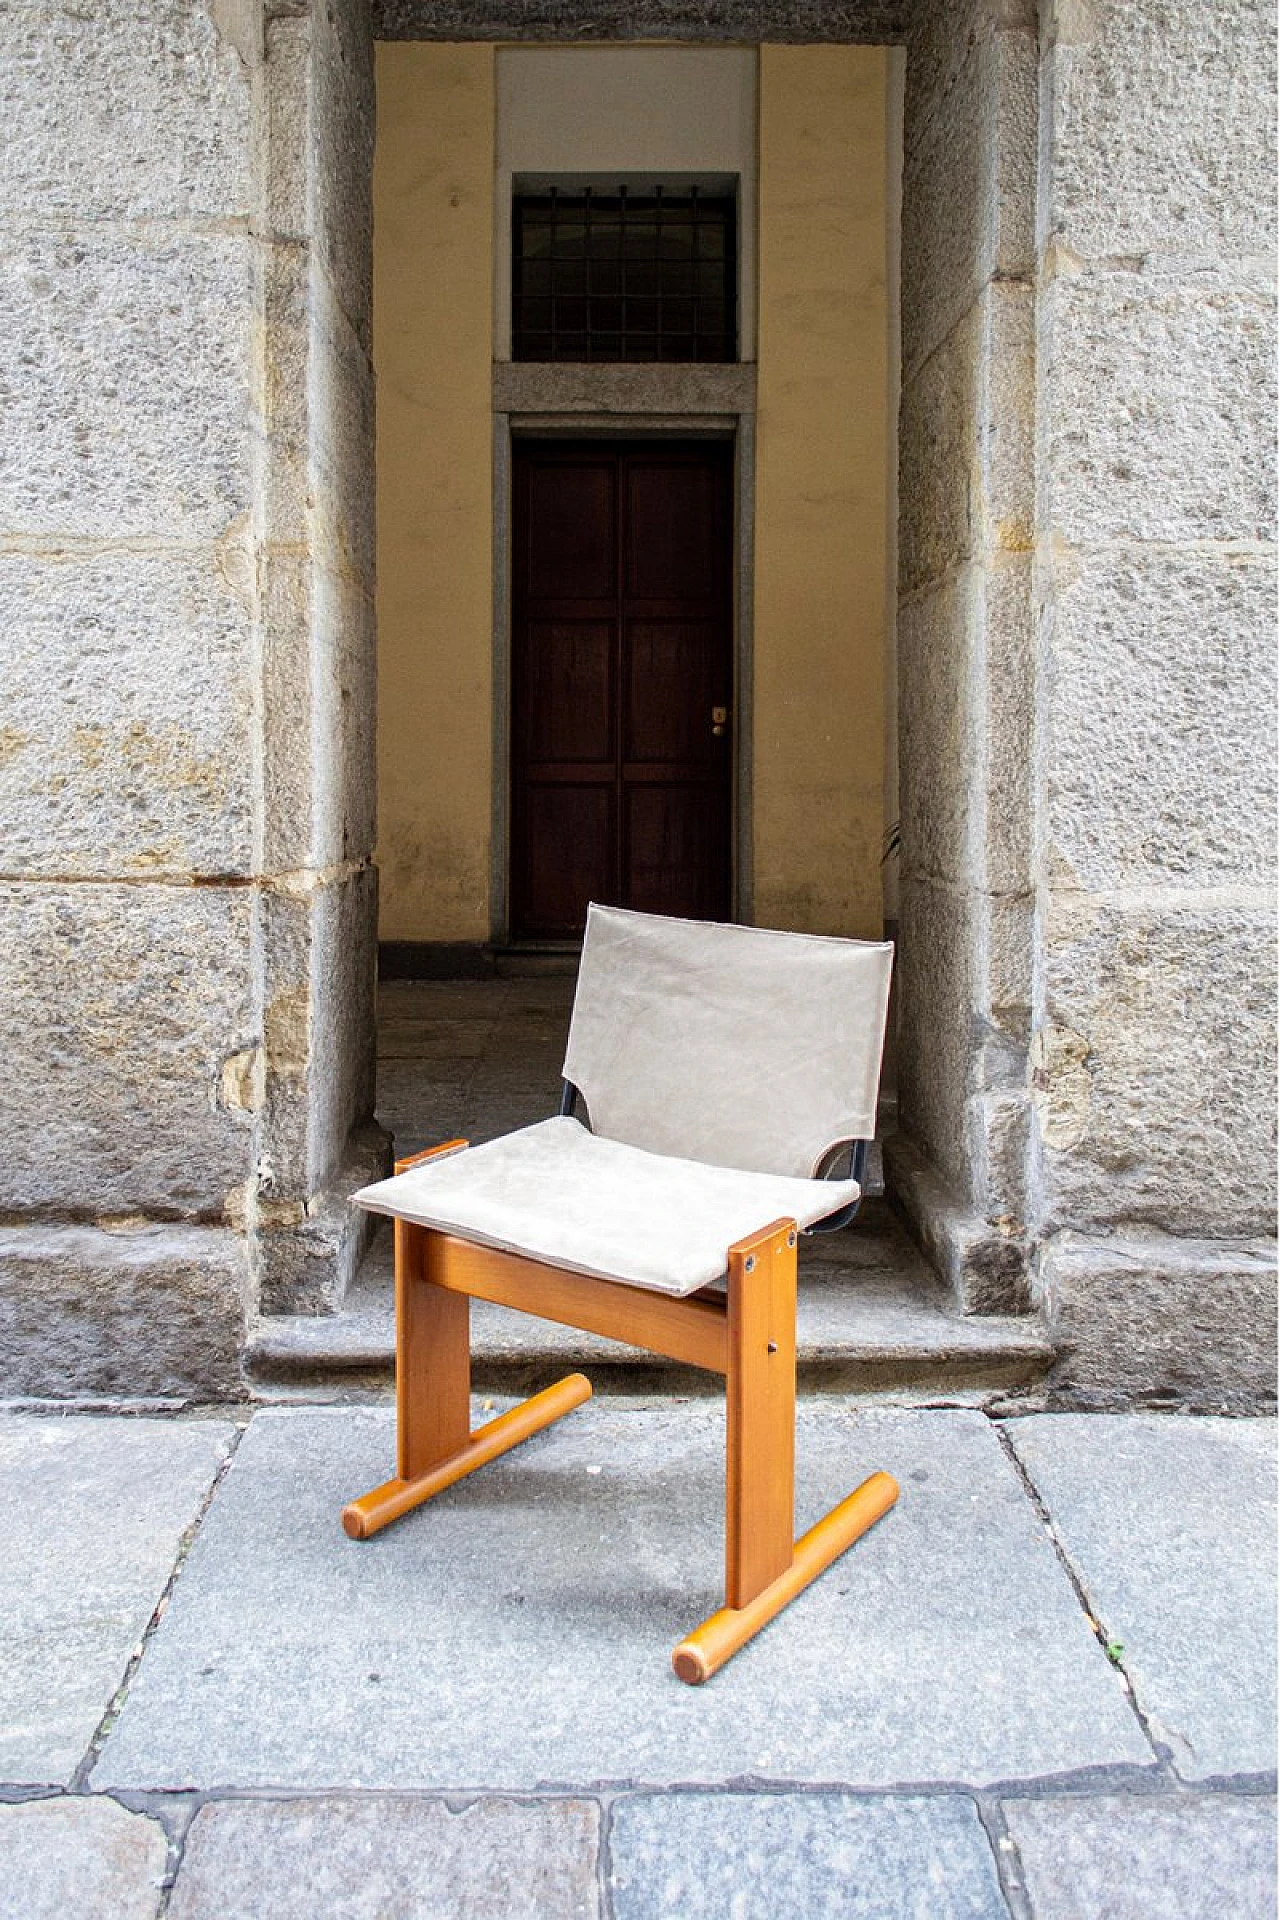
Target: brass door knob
719,715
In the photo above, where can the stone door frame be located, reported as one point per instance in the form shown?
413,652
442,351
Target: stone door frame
962,1166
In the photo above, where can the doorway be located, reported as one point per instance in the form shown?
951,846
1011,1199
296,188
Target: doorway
622,681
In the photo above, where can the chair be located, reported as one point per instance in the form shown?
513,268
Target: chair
722,1069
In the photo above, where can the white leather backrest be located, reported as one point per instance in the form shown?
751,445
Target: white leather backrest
732,1045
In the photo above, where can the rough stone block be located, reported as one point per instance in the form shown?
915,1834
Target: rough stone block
939,707
1007,769
1155,1070
936,989
341,421
126,113
288,51
124,376
344,981
284,421
345,696
140,1313
341,157
824,1855
119,1010
125,688
1162,137
306,1257
82,1856
968,202
938,448
371,1858
1120,1857
1170,1527
1170,657
288,770
1008,419
94,1514
1147,433
1141,1320
318,941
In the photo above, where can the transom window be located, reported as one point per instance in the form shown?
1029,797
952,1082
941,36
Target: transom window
599,275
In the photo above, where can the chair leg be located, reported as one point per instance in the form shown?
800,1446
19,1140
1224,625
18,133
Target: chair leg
765,1567
434,1443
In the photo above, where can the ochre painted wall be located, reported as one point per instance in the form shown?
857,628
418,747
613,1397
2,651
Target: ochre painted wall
433,303
821,483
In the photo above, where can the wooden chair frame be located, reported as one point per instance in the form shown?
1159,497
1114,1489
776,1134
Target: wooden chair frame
747,1334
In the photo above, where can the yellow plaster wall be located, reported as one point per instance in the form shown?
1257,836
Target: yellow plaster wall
822,469
433,305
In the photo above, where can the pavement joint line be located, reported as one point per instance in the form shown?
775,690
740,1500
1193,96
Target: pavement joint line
102,1733
1163,1754
1004,1853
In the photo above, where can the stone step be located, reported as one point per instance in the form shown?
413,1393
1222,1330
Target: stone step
872,1319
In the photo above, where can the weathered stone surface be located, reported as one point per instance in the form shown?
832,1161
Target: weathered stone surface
871,22
390,1858
1162,138
75,88
124,377
531,386
125,687
82,1856
140,1313
937,453
1170,1526
1154,1072
968,201
1170,658
120,1006
1187,1323
824,1855
1144,436
982,1261
939,705
94,1511
340,144
305,1258
284,159
346,707
589,1552
344,981
1124,1857
341,414
936,992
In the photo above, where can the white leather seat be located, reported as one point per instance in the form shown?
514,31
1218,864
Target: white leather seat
557,1193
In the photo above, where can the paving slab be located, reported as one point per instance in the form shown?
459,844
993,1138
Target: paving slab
390,1858
71,1858
1170,1524
813,1856
92,1513
1134,1857
516,1632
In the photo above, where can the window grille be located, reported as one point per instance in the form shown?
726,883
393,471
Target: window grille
624,276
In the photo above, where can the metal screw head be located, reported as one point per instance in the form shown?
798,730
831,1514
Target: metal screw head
791,1239
751,1263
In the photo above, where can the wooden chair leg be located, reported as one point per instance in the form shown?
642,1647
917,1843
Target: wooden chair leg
765,1567
434,1443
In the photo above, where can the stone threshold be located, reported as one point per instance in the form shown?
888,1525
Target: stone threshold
886,1329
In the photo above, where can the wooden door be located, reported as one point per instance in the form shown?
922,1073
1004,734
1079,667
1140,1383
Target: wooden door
622,674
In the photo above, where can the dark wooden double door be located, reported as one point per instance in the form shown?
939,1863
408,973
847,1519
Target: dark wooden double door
622,673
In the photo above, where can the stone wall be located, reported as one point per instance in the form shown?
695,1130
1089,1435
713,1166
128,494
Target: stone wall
185,594
1154,1057
966,669
1086,652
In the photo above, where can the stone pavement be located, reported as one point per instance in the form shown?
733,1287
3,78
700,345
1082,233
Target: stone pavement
1042,1688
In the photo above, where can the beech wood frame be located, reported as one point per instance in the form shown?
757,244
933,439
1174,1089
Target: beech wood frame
748,1334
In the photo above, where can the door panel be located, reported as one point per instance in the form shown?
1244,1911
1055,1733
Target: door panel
621,650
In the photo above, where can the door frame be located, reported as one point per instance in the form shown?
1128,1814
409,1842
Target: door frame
739,429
